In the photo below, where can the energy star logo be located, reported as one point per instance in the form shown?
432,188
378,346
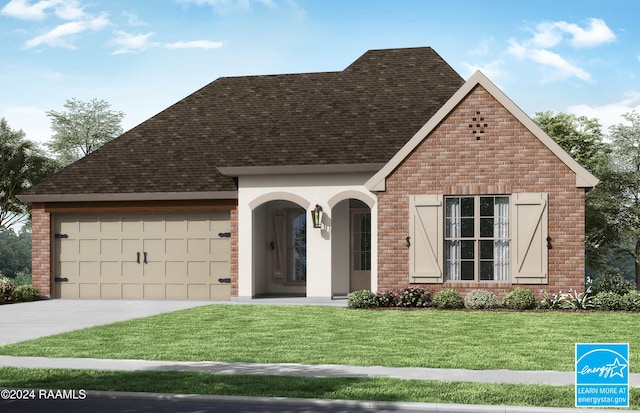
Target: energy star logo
602,375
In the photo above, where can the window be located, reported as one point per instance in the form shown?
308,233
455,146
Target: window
297,245
477,238
361,222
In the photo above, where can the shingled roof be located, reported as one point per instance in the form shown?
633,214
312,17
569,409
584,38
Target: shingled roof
362,115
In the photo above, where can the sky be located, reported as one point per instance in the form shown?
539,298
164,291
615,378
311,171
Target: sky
141,56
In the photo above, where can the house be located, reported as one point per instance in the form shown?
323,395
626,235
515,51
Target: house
414,176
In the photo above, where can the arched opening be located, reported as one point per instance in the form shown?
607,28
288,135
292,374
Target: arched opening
352,247
279,249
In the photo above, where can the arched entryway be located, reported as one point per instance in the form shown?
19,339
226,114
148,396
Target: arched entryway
352,246
279,249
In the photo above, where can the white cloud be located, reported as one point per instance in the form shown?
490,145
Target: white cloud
609,114
195,44
493,70
131,43
546,36
70,10
561,68
22,9
133,20
64,9
483,47
596,34
58,37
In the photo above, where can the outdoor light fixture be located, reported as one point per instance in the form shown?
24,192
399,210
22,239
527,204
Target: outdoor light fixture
316,216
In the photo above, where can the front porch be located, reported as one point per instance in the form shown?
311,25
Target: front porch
282,255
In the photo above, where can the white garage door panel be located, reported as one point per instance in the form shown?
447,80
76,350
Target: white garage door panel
185,256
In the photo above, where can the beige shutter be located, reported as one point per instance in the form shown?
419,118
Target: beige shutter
426,239
529,229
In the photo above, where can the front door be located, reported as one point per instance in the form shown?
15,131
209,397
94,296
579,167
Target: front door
360,277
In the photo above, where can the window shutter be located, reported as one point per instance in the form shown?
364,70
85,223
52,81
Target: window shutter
529,254
426,239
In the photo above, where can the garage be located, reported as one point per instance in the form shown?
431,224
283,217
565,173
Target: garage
151,256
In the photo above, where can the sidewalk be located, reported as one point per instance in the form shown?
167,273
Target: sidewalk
555,378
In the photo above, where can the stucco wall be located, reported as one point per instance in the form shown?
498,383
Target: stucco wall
305,190
502,157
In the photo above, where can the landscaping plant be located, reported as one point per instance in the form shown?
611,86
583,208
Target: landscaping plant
481,300
520,299
362,299
447,299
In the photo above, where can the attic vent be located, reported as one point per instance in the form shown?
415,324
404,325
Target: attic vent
478,125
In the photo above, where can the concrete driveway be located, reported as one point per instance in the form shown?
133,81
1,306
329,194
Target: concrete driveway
25,321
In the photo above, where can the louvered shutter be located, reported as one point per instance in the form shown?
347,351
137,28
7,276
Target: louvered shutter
426,239
529,229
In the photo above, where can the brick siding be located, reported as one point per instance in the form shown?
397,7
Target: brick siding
502,157
41,249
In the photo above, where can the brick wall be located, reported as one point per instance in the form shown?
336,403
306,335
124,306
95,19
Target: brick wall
41,249
502,157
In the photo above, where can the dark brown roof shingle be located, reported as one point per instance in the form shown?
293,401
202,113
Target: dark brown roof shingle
361,115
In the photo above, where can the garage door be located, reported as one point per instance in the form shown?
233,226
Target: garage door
143,256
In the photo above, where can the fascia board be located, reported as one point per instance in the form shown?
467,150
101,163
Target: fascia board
143,196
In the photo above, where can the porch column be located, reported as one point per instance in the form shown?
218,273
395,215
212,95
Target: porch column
319,256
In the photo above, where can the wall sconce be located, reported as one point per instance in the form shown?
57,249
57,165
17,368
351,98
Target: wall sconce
316,216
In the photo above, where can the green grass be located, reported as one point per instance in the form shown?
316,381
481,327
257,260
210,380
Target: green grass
382,389
319,335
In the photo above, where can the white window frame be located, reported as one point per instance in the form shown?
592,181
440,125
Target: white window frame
456,256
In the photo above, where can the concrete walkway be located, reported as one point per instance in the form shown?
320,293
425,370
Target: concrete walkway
555,378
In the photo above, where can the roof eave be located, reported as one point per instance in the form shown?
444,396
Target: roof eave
117,197
234,171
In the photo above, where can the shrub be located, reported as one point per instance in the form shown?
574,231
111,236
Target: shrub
362,299
447,299
607,301
631,301
6,290
413,297
481,299
25,293
520,299
386,298
613,281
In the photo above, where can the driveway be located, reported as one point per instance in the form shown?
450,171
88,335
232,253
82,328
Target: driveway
25,321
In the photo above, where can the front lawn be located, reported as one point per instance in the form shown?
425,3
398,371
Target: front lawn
327,335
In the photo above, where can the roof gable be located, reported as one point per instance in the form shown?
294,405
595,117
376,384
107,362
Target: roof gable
584,178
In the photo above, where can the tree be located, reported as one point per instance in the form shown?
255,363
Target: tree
15,252
23,165
83,128
579,136
582,138
623,185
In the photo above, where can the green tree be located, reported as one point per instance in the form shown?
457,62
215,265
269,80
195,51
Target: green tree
583,139
83,128
15,252
579,136
23,164
622,188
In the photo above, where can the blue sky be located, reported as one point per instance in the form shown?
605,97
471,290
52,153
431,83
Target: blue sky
577,56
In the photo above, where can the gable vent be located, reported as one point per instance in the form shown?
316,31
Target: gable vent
477,125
